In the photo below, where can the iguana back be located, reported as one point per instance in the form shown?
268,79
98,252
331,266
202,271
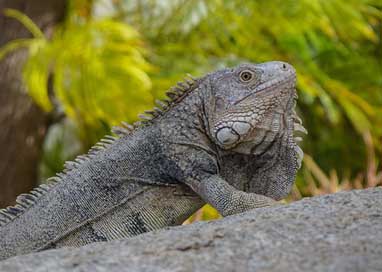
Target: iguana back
96,190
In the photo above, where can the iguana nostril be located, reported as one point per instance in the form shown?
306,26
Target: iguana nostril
226,136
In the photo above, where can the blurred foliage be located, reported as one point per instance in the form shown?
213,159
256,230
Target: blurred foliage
98,70
207,212
112,57
319,183
61,144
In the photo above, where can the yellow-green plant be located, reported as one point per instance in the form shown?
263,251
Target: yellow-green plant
98,69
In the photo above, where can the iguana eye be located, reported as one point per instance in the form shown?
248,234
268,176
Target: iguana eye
246,75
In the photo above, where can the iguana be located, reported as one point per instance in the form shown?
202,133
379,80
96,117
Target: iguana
228,136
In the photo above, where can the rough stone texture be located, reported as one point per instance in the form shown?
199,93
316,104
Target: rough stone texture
340,232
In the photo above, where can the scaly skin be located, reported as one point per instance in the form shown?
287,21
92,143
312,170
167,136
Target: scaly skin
228,136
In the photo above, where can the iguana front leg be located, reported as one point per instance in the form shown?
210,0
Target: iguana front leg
227,199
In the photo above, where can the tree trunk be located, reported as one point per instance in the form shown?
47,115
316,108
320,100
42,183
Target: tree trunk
23,124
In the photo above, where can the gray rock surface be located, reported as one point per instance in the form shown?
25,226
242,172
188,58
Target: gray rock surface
339,232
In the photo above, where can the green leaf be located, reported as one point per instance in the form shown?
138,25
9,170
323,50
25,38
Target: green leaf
14,45
26,21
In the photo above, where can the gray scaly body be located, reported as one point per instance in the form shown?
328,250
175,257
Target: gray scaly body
228,136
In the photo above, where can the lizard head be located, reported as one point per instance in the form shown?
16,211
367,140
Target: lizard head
253,106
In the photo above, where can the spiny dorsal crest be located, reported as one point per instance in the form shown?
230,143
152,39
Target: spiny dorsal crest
25,201
174,95
123,129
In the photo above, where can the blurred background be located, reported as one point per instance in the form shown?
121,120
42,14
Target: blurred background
70,70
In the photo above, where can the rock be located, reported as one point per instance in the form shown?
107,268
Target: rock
339,232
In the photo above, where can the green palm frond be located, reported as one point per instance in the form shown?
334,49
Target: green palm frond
98,67
25,21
